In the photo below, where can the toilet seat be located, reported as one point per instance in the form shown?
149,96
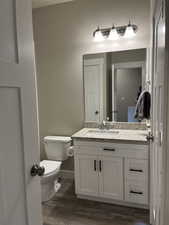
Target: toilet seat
51,167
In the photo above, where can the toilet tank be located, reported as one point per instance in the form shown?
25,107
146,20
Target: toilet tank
56,147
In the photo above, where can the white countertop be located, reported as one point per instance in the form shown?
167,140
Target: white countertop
112,134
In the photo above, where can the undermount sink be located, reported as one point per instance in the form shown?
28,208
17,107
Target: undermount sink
101,132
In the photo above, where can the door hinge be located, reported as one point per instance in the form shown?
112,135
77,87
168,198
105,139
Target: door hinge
150,137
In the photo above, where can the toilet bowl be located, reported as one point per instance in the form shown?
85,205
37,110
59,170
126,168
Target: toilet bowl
56,149
49,178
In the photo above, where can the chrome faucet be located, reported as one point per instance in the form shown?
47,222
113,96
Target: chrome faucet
104,124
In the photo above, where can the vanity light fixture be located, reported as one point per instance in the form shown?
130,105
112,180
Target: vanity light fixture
98,36
114,33
129,32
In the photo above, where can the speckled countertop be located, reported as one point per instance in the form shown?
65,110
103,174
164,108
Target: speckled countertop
112,134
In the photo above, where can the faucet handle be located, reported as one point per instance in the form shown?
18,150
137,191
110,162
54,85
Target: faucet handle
104,122
107,118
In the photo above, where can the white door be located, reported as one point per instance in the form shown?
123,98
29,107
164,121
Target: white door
158,120
111,177
19,192
86,175
93,81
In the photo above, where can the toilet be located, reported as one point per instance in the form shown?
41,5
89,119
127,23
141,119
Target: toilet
56,150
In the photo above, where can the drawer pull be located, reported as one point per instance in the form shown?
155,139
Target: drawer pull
95,168
135,170
136,192
109,149
100,165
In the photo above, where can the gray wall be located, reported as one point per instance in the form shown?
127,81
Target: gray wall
63,34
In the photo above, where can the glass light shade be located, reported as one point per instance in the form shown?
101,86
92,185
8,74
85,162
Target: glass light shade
113,35
98,36
129,32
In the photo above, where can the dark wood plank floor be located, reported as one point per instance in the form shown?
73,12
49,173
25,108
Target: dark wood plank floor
66,209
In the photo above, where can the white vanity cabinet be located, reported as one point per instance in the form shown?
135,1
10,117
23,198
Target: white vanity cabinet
112,172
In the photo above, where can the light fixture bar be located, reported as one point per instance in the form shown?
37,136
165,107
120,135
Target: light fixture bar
120,30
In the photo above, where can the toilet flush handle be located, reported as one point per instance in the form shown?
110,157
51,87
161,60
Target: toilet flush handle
37,170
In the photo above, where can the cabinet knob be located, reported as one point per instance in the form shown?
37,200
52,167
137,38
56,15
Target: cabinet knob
96,112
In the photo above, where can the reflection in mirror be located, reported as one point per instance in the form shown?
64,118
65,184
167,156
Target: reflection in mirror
113,82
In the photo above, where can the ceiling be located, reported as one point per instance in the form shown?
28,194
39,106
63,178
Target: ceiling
42,3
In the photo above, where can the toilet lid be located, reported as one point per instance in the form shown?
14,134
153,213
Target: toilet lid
50,166
57,139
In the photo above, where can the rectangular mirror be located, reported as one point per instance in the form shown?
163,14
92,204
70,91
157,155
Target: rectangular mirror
113,82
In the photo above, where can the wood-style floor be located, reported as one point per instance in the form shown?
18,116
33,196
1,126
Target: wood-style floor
66,209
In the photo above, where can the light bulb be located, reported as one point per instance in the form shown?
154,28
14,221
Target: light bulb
113,35
98,36
129,32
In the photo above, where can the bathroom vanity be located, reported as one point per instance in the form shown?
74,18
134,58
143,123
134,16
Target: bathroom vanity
112,166
112,161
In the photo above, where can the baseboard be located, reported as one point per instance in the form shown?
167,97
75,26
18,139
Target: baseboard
67,174
116,202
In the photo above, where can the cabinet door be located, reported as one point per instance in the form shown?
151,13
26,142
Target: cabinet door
86,175
111,177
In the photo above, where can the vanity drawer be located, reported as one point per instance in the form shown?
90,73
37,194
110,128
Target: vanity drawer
88,150
136,192
122,150
136,168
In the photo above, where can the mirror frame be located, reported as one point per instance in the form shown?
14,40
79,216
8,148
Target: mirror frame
147,83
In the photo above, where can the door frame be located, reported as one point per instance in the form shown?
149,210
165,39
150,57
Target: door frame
166,206
154,14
